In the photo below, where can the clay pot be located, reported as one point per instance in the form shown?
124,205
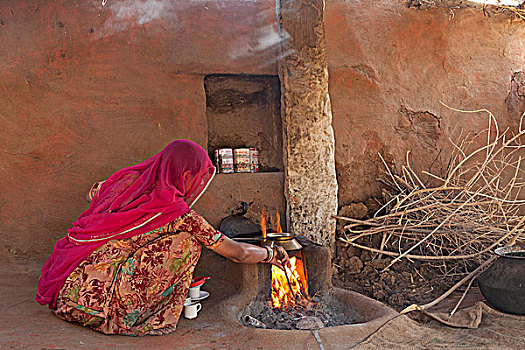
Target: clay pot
503,283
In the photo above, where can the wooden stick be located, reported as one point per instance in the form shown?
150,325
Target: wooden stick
463,296
289,284
471,212
415,307
445,257
424,238
382,247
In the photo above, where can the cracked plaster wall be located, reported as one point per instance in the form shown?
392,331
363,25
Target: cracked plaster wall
390,66
75,93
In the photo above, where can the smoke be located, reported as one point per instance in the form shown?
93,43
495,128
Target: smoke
141,11
265,41
267,38
126,14
255,34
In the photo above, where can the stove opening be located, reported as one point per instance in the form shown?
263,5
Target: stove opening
289,286
288,305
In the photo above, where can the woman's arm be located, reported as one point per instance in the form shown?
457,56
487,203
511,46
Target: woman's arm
236,251
251,254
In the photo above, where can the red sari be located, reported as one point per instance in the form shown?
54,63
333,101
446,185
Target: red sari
134,211
139,284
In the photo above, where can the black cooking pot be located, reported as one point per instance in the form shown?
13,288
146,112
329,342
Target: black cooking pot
237,225
503,283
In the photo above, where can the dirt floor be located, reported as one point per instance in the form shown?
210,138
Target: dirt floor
495,332
26,325
416,282
398,289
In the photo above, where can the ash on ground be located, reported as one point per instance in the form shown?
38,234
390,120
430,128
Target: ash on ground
323,311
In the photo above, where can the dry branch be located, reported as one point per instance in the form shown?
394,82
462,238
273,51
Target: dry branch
458,217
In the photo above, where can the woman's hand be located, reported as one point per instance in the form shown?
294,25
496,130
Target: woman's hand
251,254
280,258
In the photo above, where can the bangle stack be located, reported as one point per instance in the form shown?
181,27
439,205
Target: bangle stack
270,255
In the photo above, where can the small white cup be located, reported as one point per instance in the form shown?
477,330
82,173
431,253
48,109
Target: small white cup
195,292
191,310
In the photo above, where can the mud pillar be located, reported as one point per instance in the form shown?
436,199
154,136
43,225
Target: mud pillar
308,138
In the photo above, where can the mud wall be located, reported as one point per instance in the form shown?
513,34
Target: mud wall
87,89
390,66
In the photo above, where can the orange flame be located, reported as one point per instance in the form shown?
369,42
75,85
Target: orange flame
263,224
276,225
282,297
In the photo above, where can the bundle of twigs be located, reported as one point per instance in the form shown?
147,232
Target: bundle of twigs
518,11
456,219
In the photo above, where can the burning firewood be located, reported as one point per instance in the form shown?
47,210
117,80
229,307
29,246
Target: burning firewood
289,286
289,305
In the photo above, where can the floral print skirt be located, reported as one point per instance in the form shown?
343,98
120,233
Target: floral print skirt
132,286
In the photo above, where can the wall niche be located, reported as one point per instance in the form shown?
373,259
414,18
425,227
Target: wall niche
245,111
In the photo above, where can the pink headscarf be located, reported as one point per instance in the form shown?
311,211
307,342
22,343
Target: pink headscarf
132,201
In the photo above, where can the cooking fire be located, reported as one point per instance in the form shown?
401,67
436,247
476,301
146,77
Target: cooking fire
289,286
289,305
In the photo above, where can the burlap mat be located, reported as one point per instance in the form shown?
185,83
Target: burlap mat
470,317
476,327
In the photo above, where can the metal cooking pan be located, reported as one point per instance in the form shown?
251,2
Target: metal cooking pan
285,240
280,237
